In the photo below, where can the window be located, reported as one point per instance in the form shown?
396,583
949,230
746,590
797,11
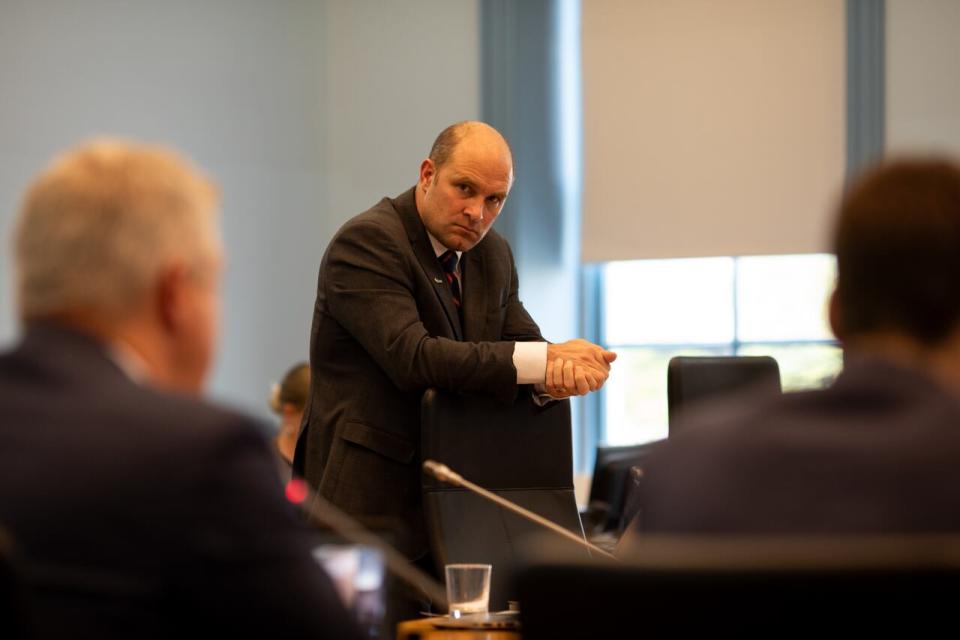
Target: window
653,310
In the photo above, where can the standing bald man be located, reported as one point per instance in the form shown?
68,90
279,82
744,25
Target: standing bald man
419,292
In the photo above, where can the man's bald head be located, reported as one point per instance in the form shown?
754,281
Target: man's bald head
479,133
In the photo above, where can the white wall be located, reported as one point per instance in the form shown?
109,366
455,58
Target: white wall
304,112
397,74
923,83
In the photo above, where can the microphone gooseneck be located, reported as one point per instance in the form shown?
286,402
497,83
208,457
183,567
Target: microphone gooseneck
443,473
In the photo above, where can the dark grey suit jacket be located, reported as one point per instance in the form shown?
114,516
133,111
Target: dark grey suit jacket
878,452
385,329
143,514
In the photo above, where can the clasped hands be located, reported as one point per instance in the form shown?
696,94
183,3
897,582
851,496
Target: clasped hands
576,367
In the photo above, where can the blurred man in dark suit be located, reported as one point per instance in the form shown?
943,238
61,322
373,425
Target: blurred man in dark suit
139,510
879,451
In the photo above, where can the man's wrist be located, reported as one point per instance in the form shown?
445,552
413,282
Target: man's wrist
530,360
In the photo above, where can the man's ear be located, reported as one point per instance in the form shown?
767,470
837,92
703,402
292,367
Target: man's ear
171,297
428,171
836,317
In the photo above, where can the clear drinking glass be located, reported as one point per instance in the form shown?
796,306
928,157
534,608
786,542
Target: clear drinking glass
468,588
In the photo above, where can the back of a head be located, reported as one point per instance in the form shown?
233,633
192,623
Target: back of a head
897,242
293,389
97,225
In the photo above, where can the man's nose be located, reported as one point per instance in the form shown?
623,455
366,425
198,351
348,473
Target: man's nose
474,210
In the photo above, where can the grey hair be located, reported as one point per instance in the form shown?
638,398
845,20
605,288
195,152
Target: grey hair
97,226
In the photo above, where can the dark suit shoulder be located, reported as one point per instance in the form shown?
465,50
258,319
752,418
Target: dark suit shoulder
368,237
161,415
200,423
74,390
162,445
382,215
390,217
726,418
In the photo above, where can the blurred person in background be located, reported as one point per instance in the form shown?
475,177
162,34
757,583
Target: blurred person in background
287,400
878,452
139,510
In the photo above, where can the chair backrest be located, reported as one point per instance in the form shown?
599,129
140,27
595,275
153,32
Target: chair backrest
692,379
610,480
521,452
631,520
680,598
605,456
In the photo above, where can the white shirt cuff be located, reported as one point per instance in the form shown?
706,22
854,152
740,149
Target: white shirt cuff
540,397
530,359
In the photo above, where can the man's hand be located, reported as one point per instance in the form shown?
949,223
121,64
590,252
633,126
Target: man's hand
563,379
576,367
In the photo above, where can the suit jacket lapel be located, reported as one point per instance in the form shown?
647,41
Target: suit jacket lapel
474,288
420,242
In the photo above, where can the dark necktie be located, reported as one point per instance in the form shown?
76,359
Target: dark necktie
448,260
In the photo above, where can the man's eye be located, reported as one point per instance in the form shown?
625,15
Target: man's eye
494,200
464,188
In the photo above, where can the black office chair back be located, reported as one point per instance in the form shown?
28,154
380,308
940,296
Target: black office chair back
631,520
605,456
690,599
608,489
694,379
521,452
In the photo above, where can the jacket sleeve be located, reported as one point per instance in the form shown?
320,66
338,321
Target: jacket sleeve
368,287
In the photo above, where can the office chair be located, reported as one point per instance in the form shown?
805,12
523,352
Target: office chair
694,379
608,488
521,452
633,501
749,588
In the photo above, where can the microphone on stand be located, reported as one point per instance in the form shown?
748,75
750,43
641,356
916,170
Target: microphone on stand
443,473
322,511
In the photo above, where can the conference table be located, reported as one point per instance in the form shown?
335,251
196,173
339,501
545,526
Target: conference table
424,629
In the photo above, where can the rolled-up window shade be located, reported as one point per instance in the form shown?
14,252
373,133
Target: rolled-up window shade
923,85
711,128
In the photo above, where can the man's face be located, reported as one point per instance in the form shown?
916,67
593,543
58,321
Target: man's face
207,327
198,322
460,200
